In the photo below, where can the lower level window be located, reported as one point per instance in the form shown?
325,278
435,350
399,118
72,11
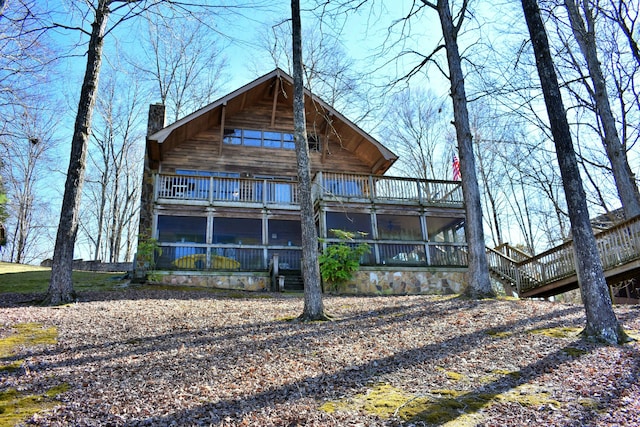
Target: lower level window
182,229
241,231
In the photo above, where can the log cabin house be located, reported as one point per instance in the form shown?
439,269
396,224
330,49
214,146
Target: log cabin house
220,196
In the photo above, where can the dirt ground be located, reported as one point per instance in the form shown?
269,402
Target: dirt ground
193,358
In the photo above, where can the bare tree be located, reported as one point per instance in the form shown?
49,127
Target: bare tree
328,70
627,17
583,26
602,323
112,181
479,282
313,306
26,53
417,121
61,287
185,62
479,285
26,145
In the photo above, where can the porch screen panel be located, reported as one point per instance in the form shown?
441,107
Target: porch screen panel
284,232
356,223
190,229
240,231
443,229
399,227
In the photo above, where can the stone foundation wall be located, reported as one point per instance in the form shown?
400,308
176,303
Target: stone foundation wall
406,281
367,281
236,281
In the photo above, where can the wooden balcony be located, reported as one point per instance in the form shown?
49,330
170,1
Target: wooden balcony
327,186
211,190
378,189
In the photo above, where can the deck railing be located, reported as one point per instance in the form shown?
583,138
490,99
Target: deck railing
203,257
418,254
384,188
616,246
225,189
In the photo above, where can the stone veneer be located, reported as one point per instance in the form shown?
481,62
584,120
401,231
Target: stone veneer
366,281
238,281
390,281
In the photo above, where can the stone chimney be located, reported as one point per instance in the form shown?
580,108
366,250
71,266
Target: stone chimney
156,118
145,228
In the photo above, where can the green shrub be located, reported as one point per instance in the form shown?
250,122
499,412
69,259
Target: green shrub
339,261
147,251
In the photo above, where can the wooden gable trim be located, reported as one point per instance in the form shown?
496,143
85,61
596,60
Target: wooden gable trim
275,102
185,128
223,113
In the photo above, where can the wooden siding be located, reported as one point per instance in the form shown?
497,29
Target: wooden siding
203,151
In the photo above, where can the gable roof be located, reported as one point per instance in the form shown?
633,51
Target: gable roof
278,86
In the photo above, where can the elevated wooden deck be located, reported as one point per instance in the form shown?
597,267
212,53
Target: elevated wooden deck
553,272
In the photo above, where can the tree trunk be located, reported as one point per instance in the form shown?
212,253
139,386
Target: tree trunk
602,323
61,286
586,38
313,306
479,283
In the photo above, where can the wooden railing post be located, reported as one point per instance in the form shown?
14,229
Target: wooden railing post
372,191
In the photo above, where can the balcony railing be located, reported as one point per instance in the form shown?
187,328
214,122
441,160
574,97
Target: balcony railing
224,189
326,185
203,257
329,185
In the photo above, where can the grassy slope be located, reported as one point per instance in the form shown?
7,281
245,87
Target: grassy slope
20,278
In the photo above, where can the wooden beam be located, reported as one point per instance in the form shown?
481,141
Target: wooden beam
325,139
275,103
223,113
378,165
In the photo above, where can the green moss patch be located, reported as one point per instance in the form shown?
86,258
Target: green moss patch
11,367
497,374
441,406
574,352
16,407
499,334
26,334
455,376
560,332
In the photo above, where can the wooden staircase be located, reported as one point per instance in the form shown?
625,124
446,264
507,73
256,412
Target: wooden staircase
292,280
553,272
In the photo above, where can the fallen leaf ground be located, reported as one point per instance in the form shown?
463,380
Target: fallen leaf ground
178,358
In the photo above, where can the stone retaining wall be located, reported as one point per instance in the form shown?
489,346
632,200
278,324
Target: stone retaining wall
238,281
414,281
367,281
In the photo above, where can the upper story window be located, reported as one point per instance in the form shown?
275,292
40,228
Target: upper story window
258,138
266,139
314,142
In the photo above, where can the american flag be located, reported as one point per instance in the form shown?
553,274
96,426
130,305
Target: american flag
456,168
